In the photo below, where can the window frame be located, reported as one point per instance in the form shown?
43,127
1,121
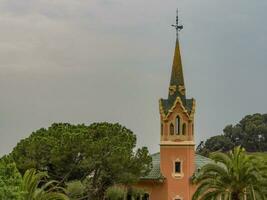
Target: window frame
174,173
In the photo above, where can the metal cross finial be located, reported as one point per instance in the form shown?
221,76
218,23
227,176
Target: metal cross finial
177,26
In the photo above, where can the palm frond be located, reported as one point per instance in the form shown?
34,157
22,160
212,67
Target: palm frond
48,191
234,173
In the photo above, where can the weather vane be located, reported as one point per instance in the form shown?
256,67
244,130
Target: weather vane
177,26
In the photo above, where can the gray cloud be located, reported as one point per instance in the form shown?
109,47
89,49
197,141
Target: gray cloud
85,61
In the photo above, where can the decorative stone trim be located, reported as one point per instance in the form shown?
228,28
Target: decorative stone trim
172,89
181,89
177,197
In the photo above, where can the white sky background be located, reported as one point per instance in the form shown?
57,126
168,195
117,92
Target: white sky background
84,61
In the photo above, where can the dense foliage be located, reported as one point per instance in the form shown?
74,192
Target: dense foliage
32,186
76,190
10,180
235,175
116,193
100,155
123,193
250,133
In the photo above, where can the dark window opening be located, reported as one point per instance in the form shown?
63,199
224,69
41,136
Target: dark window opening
146,196
178,167
161,129
177,124
129,197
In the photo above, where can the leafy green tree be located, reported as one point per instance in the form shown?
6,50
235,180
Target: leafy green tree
101,154
76,190
250,133
123,193
216,143
48,191
233,176
113,160
57,150
116,193
10,180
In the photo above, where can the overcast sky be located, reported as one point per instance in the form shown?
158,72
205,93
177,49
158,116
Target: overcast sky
84,61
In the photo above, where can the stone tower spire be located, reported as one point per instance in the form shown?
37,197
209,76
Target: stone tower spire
177,146
177,105
177,86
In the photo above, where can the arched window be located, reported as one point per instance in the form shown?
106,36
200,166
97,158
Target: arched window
171,129
161,129
177,125
184,129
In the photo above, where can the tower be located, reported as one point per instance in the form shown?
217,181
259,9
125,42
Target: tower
177,147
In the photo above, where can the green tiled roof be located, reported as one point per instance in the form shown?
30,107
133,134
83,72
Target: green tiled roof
168,103
201,161
155,173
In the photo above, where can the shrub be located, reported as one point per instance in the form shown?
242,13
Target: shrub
115,193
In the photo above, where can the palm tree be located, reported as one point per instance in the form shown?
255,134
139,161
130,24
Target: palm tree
48,191
232,176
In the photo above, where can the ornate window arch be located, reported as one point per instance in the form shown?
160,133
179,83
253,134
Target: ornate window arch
171,129
177,125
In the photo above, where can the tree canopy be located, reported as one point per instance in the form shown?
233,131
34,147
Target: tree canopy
101,154
250,133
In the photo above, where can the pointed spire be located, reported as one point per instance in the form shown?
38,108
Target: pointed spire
177,77
177,86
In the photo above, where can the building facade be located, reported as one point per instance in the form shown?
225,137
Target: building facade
175,164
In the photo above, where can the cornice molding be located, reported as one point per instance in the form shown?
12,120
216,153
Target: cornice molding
180,143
